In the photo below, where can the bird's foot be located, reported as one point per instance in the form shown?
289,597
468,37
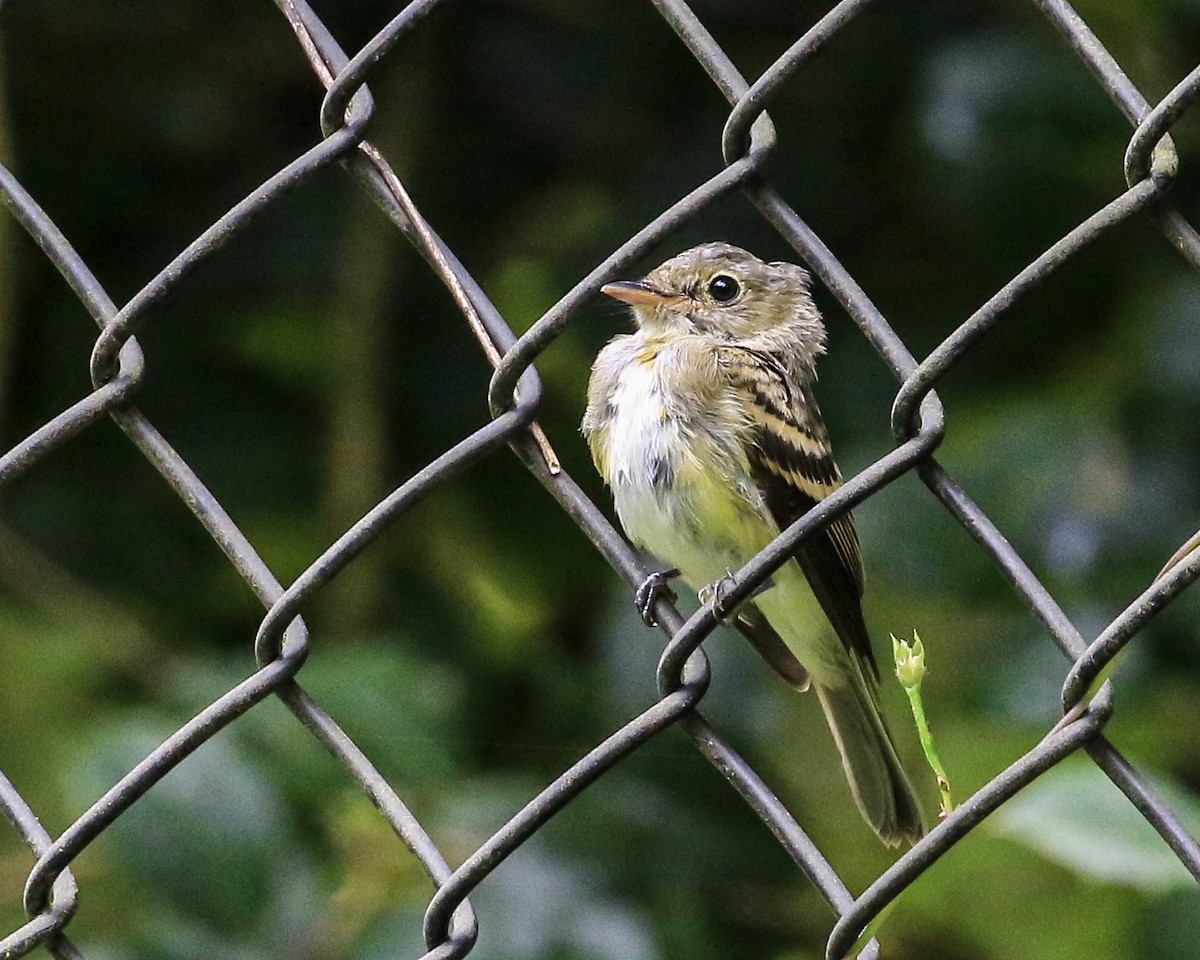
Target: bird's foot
651,590
714,594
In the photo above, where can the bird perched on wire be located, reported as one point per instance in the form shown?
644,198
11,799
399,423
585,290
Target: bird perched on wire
704,426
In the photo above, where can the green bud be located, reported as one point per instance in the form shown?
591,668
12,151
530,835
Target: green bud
910,661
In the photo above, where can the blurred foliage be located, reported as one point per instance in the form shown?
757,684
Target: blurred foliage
481,646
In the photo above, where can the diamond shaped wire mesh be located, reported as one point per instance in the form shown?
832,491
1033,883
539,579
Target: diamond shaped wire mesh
515,396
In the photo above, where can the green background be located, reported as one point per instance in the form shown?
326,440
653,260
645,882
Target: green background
481,646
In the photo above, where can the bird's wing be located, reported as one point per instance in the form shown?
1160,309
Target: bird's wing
793,469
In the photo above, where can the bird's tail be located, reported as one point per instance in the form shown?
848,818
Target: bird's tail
878,782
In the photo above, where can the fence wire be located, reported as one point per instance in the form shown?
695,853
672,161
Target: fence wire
515,394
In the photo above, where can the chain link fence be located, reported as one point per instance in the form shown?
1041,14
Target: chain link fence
515,396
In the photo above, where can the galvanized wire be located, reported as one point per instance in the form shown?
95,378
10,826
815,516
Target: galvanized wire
515,396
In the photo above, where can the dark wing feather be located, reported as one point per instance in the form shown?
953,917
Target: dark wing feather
793,468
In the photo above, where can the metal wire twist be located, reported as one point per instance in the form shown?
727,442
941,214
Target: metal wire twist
118,369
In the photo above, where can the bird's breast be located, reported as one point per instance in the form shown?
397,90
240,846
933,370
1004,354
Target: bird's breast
677,467
645,439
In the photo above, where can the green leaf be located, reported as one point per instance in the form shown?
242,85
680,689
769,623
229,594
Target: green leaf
1075,817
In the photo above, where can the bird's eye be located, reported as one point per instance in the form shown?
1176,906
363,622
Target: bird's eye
723,289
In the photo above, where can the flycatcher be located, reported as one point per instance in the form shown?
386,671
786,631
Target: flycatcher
704,426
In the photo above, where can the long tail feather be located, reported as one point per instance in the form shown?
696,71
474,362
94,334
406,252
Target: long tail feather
879,784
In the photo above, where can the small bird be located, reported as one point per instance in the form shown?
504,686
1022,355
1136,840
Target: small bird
704,426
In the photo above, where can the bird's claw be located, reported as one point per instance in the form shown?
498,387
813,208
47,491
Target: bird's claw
713,595
651,590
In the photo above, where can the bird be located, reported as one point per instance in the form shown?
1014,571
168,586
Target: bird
703,424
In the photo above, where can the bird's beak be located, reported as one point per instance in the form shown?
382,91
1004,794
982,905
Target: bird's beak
637,292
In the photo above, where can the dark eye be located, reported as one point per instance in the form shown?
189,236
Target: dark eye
723,289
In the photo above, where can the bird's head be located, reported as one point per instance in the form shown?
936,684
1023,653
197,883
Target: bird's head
721,290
